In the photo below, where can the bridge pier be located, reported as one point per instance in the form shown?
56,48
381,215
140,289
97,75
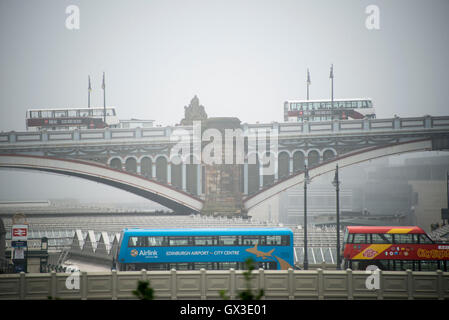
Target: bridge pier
199,180
169,172
184,177
245,178
223,196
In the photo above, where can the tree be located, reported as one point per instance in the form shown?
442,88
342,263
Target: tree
247,294
144,291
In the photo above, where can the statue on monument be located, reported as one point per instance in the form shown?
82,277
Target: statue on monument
194,112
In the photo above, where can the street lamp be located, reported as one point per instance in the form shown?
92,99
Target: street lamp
306,182
336,184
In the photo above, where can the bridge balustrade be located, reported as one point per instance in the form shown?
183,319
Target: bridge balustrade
202,285
288,128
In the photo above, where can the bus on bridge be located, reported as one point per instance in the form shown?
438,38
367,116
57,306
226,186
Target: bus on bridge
211,249
325,110
393,248
70,118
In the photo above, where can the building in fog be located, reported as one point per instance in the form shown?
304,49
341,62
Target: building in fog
411,192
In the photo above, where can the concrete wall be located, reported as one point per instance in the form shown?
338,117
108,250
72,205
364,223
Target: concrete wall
202,285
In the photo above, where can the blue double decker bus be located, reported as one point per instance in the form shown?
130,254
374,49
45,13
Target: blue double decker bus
211,249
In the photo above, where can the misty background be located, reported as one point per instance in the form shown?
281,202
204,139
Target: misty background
242,58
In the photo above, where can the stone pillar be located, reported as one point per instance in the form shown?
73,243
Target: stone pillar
223,196
153,169
184,176
245,178
276,168
260,175
169,172
199,180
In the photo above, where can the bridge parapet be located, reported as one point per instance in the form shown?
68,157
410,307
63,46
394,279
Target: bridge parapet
162,134
203,285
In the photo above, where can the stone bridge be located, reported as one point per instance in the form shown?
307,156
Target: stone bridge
141,161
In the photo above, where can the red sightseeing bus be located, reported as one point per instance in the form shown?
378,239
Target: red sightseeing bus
393,248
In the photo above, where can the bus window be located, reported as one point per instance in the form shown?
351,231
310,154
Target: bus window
250,240
403,238
155,241
130,267
46,114
98,112
181,266
132,242
72,113
274,240
229,240
428,265
60,114
34,114
360,238
364,104
346,236
422,238
179,241
381,238
205,241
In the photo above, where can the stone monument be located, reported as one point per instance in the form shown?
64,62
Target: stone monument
193,112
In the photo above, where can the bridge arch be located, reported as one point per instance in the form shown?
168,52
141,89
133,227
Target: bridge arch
328,154
146,166
329,166
162,168
116,163
283,163
165,195
299,159
313,157
131,164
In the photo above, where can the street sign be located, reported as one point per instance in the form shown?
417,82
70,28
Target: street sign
19,253
19,244
19,232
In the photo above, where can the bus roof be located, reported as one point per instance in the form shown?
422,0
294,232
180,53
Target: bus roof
385,229
328,100
69,108
208,231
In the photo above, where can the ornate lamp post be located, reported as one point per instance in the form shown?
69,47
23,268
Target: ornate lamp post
336,184
306,182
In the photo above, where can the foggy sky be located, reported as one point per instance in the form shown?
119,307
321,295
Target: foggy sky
242,58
